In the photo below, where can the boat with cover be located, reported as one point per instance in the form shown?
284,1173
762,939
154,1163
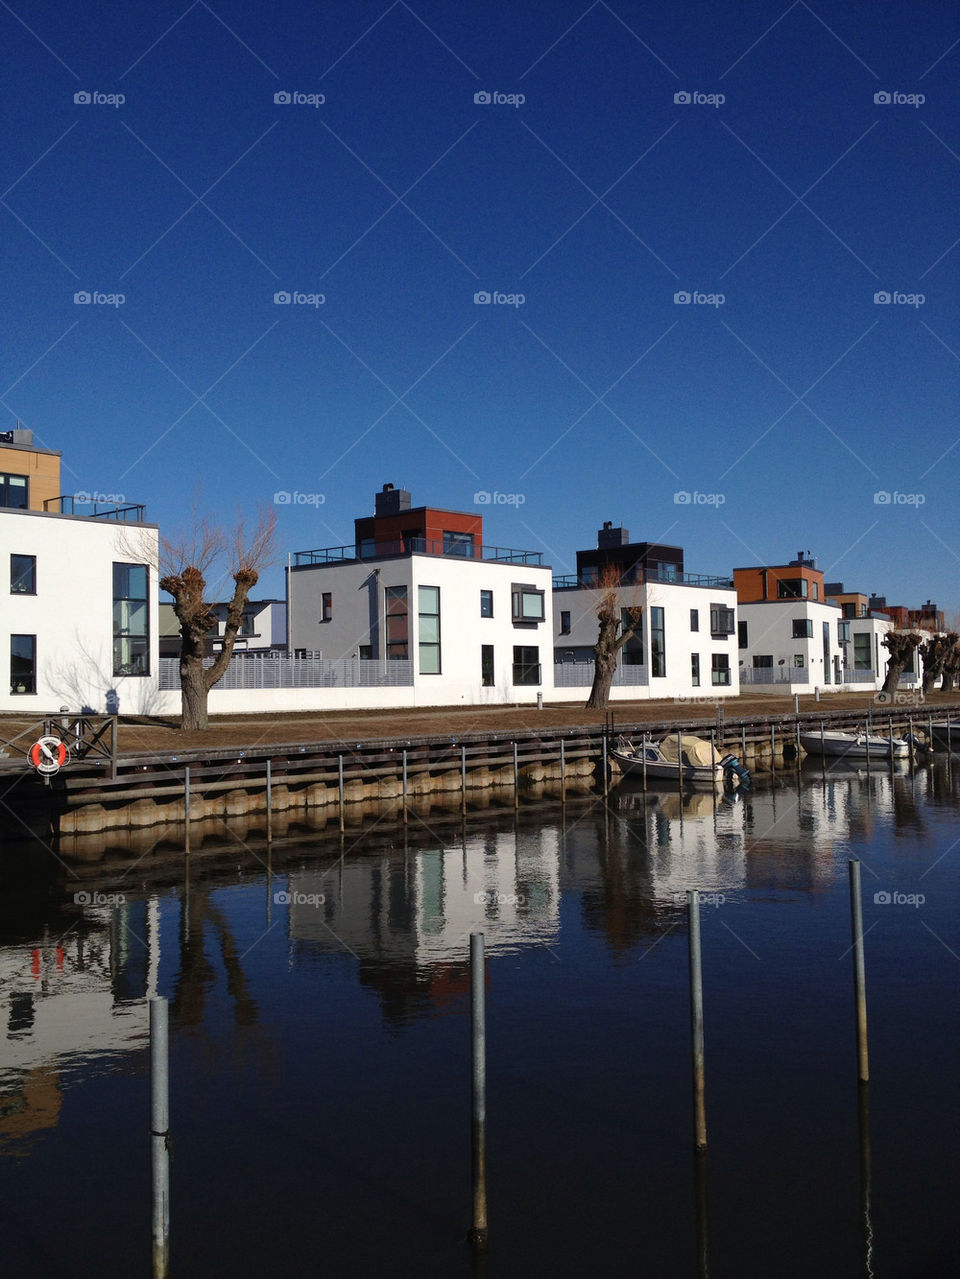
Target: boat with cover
856,745
674,756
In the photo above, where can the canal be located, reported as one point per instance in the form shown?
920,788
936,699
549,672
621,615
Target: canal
319,995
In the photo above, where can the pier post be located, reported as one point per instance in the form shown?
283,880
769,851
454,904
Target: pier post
463,779
910,729
478,1092
186,808
160,1135
563,772
696,1022
340,788
680,767
404,786
606,771
773,747
269,801
743,745
114,747
516,778
859,981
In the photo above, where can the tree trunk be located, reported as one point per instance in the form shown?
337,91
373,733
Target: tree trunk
892,682
604,666
948,680
193,690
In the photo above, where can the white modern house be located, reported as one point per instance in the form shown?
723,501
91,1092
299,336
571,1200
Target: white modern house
422,611
685,644
78,580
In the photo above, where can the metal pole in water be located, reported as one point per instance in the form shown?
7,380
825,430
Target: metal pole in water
743,745
773,747
404,786
463,779
606,778
186,807
340,778
823,754
696,1021
563,773
910,728
269,802
478,1092
680,764
160,1135
859,982
516,778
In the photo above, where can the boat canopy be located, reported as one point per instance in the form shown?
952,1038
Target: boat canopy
696,751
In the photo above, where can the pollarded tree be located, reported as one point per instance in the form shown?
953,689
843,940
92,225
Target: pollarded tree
614,634
901,645
186,562
935,652
951,665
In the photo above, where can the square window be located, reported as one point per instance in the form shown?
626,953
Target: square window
720,672
802,628
527,605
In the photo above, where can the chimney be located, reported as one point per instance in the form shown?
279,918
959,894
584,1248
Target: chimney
609,537
391,501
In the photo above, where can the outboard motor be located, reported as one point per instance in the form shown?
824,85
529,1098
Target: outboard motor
733,768
919,747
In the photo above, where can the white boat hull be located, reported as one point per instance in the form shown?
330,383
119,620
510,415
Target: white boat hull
842,745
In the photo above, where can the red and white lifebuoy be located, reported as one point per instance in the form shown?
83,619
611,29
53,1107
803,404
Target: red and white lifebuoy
48,755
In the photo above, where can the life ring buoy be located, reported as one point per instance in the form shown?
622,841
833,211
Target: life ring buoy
48,755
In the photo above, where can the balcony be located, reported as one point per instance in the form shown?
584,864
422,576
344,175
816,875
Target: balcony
97,510
636,577
417,546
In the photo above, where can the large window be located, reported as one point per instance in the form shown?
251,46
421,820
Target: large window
131,619
792,588
658,644
398,623
23,575
526,664
861,653
633,649
457,543
802,628
763,662
527,604
14,491
486,603
486,665
23,664
722,621
429,629
720,672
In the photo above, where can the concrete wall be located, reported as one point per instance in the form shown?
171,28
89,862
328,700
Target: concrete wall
71,613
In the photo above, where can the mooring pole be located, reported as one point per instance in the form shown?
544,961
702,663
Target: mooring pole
696,1022
478,1092
340,788
606,778
404,786
563,773
743,745
160,1135
859,981
186,807
910,728
516,777
269,802
680,766
773,747
463,779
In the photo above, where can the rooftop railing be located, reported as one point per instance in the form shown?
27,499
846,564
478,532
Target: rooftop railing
590,581
417,546
67,505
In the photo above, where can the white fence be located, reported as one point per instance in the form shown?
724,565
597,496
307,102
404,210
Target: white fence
279,671
774,675
580,675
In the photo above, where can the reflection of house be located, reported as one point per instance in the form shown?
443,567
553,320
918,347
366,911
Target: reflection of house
78,585
463,621
684,642
263,629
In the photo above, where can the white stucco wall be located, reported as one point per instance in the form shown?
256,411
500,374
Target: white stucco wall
71,613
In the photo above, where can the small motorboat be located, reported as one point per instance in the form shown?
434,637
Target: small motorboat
857,745
946,734
674,757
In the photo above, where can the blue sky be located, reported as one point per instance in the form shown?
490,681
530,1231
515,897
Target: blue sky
782,410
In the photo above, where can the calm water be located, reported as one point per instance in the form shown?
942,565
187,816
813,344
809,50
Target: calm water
320,1054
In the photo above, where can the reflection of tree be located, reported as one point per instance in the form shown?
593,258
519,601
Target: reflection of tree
622,906
197,974
33,1107
906,814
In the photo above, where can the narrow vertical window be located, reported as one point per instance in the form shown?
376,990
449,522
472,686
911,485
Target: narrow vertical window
429,629
131,620
23,575
658,649
23,664
486,665
398,629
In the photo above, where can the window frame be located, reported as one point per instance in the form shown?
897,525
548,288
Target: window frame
723,621
393,595
519,593
658,642
16,577
31,691
486,603
5,478
487,666
695,620
326,606
523,665
428,646
695,670
719,666
124,635
807,623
